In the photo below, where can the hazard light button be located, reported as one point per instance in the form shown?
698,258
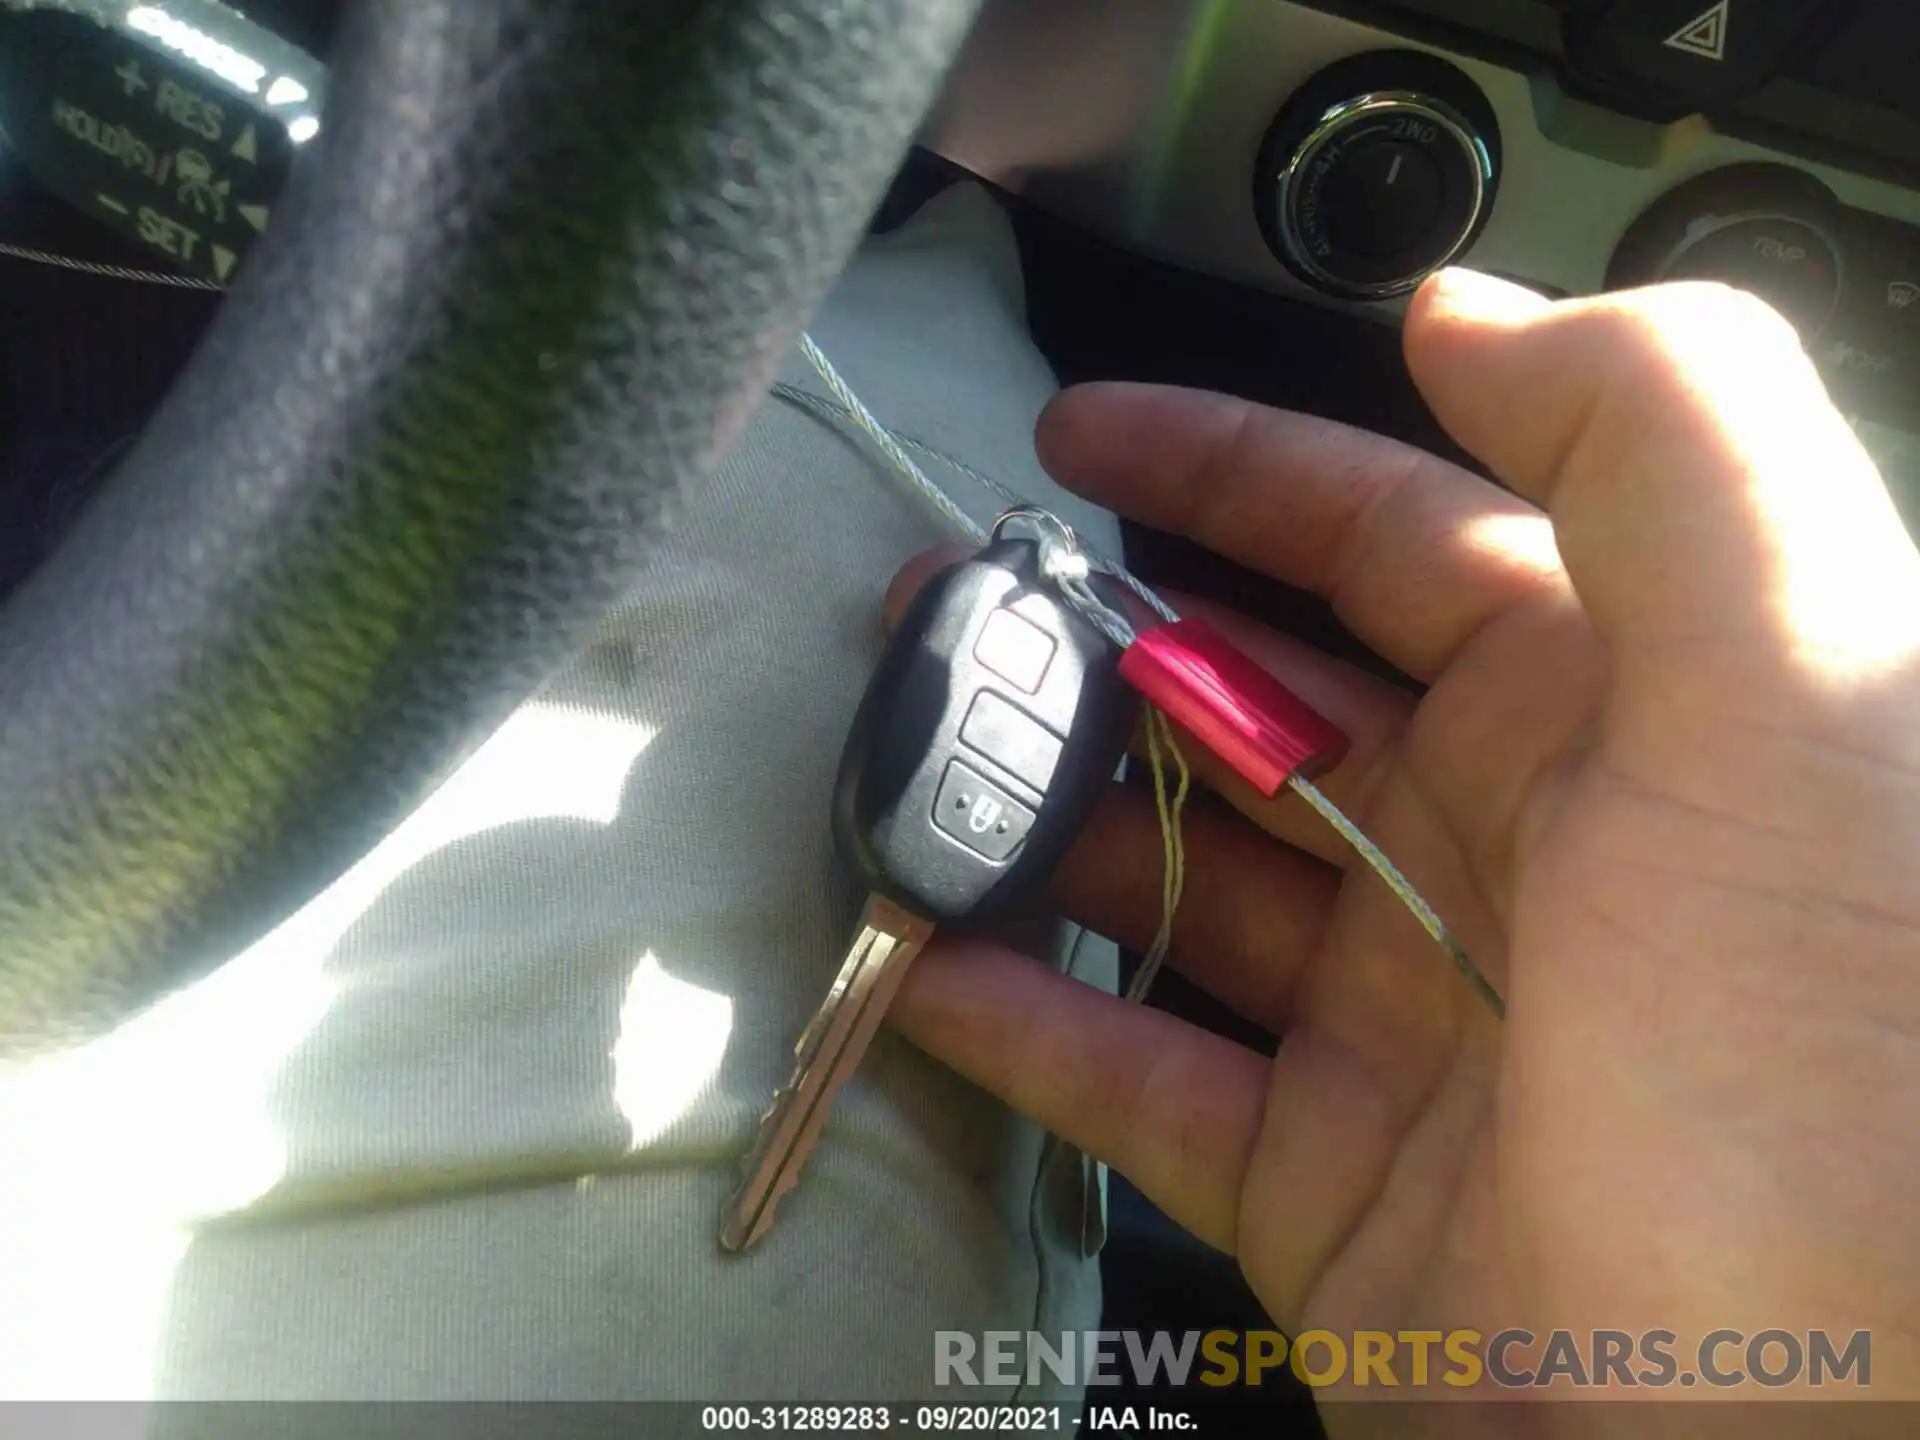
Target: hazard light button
1663,59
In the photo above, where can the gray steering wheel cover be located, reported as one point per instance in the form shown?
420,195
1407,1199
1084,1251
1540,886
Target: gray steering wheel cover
545,265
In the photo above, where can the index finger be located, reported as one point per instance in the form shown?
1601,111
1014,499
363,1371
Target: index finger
1415,554
1703,485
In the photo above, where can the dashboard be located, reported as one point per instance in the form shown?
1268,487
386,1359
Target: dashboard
1338,154
1333,152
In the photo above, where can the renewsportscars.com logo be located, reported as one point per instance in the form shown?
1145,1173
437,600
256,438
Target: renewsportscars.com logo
1511,1359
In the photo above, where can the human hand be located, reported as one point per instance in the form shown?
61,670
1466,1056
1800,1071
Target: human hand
1664,784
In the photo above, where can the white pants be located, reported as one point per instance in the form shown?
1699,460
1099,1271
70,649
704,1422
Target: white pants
464,1127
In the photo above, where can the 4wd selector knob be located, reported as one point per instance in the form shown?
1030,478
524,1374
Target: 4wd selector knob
1380,170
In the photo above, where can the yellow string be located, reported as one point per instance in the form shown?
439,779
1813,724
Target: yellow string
1173,850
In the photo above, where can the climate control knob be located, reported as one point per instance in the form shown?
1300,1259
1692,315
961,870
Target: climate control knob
1764,228
1380,170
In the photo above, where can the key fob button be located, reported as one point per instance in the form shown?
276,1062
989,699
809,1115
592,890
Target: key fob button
979,814
1011,739
956,806
1016,650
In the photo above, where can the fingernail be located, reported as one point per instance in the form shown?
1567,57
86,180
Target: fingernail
1476,295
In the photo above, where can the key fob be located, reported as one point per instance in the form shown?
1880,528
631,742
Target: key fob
996,718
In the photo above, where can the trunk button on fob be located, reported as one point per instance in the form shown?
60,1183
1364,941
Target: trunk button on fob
979,814
1016,650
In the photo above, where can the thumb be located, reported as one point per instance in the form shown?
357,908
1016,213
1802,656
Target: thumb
1703,487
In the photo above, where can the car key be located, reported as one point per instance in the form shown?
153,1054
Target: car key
994,721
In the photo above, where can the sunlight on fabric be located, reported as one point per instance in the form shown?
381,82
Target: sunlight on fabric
109,1153
547,761
672,1038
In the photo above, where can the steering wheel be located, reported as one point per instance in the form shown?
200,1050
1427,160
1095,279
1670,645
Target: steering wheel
545,266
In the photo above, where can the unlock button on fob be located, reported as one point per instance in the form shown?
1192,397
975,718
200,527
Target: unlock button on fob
979,814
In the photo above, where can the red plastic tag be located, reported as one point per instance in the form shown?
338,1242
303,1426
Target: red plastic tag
1230,705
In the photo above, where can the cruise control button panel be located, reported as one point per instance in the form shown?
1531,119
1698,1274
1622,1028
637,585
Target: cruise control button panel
176,127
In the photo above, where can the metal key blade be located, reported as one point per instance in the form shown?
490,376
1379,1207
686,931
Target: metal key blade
829,1050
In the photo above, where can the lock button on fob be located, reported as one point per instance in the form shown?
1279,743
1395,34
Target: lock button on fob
1016,650
979,814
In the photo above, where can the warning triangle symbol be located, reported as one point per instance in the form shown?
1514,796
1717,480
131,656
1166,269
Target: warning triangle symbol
247,147
1705,36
